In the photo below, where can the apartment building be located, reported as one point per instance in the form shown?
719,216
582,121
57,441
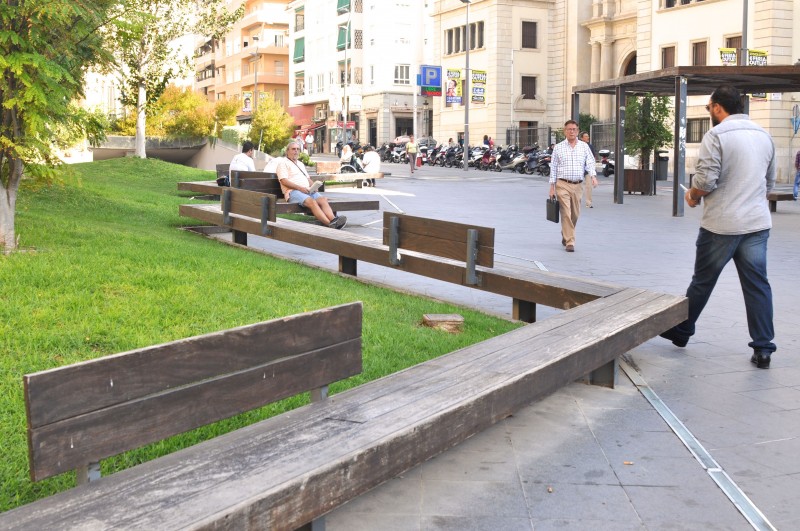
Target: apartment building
251,62
358,58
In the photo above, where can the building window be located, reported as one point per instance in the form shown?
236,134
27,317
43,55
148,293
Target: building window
357,74
371,74
299,50
733,42
359,39
401,75
320,82
699,53
278,68
529,35
529,87
667,56
696,128
299,20
456,38
343,6
299,85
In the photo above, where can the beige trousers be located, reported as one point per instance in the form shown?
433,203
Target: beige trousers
569,203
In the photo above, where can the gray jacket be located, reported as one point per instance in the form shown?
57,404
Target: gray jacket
737,166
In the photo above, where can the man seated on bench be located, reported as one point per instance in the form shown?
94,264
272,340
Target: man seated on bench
244,160
295,184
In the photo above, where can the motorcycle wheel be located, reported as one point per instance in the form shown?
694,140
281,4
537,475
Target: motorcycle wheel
529,170
497,168
546,171
607,172
520,168
347,169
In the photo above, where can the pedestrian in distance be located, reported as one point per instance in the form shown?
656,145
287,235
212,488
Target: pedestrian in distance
796,175
590,182
310,143
411,151
735,171
571,161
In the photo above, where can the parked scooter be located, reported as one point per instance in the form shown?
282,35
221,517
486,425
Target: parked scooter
488,161
511,159
538,162
606,163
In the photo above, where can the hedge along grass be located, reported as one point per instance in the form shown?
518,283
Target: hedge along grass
107,270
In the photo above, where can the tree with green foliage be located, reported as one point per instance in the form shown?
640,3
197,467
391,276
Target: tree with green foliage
647,126
143,44
272,127
585,121
46,47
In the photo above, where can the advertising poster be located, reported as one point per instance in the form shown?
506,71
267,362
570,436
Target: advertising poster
478,86
728,56
247,101
757,58
453,91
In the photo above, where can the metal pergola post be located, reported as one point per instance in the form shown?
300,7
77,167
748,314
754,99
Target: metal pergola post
679,149
619,155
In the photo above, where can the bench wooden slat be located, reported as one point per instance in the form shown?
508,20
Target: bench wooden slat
84,395
288,470
542,287
440,238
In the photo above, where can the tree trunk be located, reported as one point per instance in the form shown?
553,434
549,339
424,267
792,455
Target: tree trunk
141,138
8,207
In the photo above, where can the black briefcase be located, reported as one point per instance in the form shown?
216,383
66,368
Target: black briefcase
552,209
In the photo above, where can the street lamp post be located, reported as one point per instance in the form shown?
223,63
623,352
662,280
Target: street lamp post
466,91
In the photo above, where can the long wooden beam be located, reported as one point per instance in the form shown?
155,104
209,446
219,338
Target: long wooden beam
540,287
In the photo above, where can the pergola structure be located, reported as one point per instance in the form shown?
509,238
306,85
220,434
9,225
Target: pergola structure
680,82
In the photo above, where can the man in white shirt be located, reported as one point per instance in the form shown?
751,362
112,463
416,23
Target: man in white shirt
295,184
572,160
372,162
244,160
310,143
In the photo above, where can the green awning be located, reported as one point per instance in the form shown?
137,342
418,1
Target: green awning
343,6
299,50
343,37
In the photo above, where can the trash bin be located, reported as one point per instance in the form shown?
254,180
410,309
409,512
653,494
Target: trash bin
662,164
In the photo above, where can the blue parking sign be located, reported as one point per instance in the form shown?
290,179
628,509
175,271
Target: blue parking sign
430,76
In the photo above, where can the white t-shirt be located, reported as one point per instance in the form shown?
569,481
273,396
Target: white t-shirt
372,162
309,138
242,162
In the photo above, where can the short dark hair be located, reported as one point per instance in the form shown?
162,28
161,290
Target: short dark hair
568,122
729,98
248,146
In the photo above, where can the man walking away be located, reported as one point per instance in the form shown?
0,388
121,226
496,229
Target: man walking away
735,172
796,175
571,160
590,182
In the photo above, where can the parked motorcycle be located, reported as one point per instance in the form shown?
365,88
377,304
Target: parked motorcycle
511,159
538,162
606,163
488,161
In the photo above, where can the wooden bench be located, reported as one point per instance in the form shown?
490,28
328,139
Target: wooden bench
774,197
82,413
288,470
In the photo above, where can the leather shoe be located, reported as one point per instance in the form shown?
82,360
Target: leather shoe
570,248
563,242
761,359
677,340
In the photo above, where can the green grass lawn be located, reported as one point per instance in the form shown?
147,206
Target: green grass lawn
105,270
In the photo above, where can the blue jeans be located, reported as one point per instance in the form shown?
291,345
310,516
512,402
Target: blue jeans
796,183
749,254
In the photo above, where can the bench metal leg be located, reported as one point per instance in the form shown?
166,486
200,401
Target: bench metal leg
240,237
88,473
316,525
524,311
348,266
605,376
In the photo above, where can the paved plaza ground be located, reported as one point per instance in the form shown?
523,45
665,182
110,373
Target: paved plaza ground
591,457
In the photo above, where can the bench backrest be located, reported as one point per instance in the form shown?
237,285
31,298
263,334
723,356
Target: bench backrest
222,170
257,181
88,411
440,238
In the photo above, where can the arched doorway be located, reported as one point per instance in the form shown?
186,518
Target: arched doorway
630,65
